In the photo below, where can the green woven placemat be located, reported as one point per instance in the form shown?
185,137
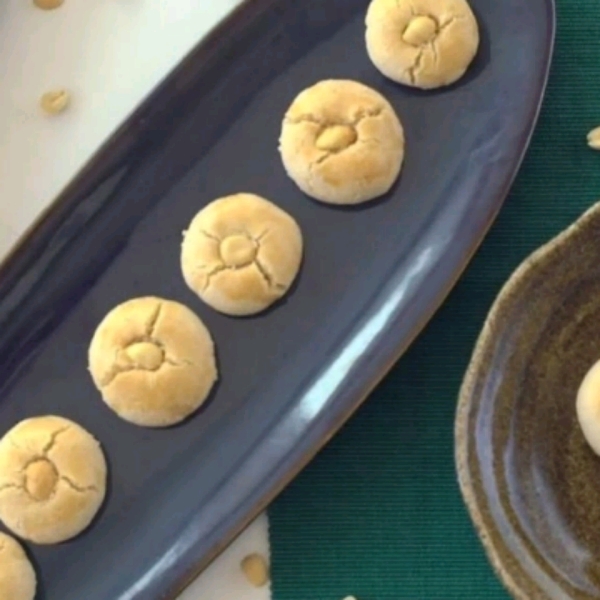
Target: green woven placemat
378,513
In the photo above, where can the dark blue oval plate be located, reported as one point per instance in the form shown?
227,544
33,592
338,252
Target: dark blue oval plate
372,277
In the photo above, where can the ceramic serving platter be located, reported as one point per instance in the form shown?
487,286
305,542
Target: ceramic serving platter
371,278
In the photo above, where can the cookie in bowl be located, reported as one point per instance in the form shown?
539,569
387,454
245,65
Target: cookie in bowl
588,407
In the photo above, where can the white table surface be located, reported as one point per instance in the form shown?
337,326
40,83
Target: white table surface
110,54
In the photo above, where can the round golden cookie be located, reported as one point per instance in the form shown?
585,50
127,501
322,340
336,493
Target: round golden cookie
153,361
52,479
241,253
422,43
342,143
17,577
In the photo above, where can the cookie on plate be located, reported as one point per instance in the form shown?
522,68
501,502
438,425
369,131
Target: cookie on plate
341,142
52,479
241,253
17,577
153,361
422,43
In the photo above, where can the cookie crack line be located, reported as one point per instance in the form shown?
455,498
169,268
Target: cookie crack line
260,237
53,437
45,449
268,277
368,113
416,65
210,236
183,362
360,117
10,486
117,369
153,321
436,58
121,370
114,373
167,360
411,71
323,158
211,274
78,488
147,337
447,24
225,267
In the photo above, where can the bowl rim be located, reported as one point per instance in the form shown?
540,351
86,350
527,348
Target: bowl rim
468,400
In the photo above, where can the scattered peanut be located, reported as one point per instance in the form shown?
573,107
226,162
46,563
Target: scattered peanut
256,569
48,4
593,138
55,101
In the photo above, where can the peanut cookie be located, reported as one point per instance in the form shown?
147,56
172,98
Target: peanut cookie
241,253
17,577
422,43
342,143
52,479
153,361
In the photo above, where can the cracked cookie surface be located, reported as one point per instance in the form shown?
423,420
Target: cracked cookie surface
422,43
17,577
153,361
341,142
52,479
241,253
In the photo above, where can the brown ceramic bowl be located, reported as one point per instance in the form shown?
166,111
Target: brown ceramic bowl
531,483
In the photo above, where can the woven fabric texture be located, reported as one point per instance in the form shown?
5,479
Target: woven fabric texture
378,513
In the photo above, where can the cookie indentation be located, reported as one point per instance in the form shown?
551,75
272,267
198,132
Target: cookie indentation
145,355
41,478
238,251
336,138
420,30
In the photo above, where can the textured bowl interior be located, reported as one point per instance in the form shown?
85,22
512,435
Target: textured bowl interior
530,481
